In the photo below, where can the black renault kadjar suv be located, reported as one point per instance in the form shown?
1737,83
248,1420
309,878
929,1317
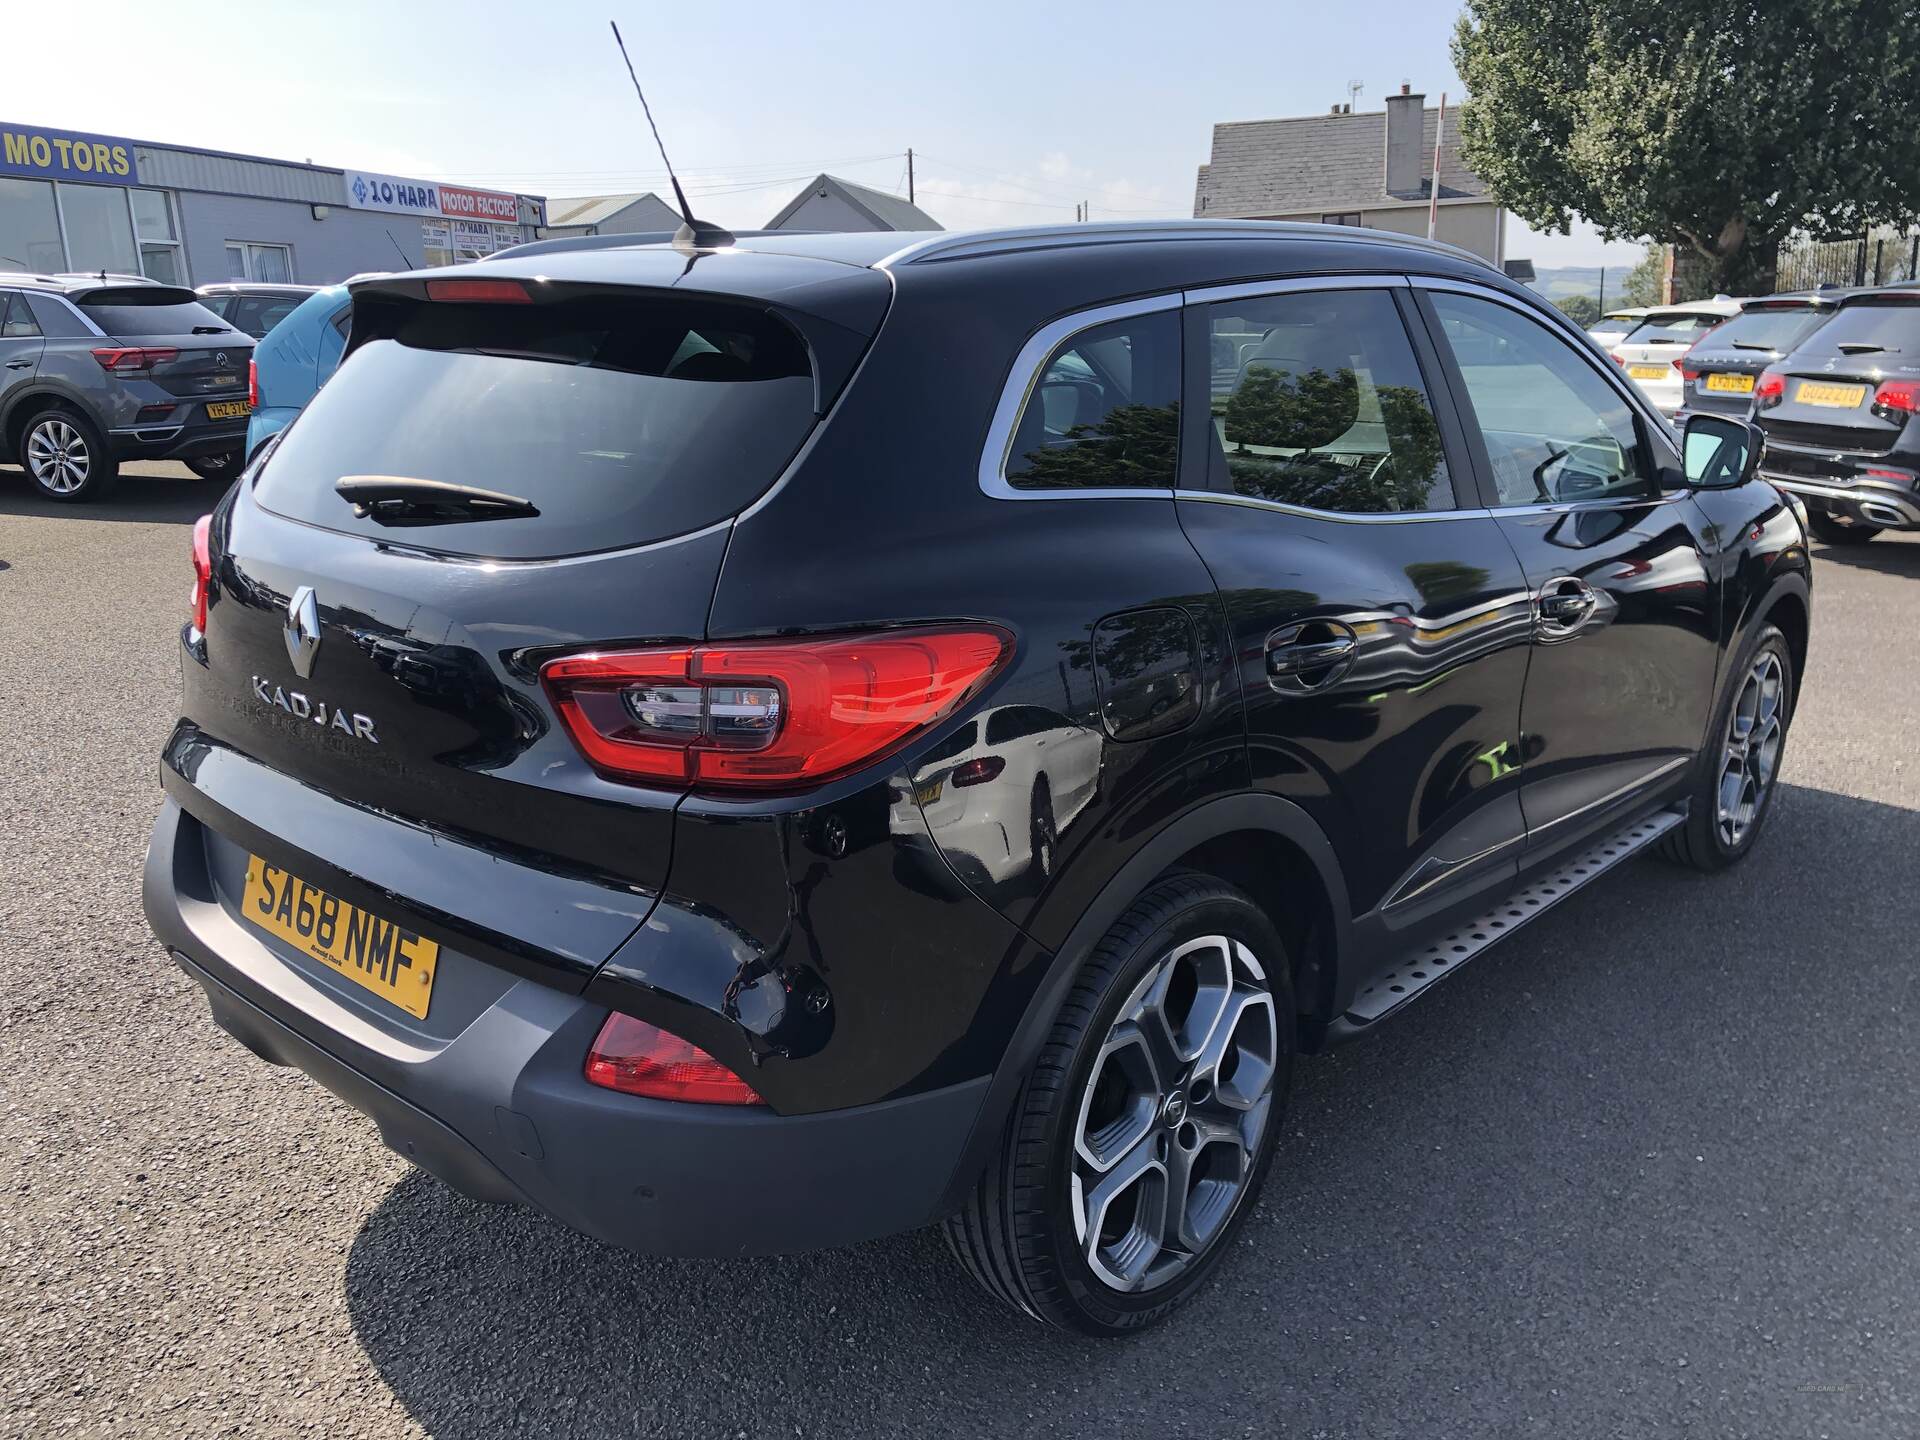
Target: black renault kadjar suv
755,749
1841,416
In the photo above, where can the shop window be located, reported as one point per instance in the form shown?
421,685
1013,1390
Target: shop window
29,227
158,237
99,229
268,264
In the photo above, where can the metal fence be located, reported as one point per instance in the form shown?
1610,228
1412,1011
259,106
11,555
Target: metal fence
1880,259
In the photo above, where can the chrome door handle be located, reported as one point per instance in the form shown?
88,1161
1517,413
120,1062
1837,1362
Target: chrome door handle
1311,655
19,364
1566,603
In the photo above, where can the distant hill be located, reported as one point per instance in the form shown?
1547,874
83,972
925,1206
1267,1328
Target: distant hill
1565,280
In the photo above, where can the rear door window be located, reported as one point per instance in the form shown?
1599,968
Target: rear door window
624,419
16,320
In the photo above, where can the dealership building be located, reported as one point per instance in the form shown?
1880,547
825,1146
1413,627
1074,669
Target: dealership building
78,202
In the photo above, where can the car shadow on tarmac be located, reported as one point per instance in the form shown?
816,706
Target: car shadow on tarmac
1884,556
1594,1185
149,499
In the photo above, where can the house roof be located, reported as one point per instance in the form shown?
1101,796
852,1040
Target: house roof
1320,163
888,212
594,209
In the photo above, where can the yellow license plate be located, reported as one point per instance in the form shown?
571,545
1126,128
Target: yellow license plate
378,955
1833,397
1731,384
929,791
228,409
1648,372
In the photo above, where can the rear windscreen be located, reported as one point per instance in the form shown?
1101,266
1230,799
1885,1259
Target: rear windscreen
1671,329
623,420
133,313
1767,329
1891,327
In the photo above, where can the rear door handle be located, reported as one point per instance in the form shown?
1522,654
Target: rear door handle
1309,655
1566,603
19,364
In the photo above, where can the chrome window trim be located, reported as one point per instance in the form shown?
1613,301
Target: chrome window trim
1346,517
1658,425
1292,285
1021,380
959,245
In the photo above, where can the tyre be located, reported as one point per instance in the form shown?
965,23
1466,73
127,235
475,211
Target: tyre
66,456
1139,1141
223,466
1735,776
1834,530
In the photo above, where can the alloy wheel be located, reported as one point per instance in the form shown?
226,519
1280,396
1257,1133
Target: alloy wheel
58,456
1173,1113
1752,753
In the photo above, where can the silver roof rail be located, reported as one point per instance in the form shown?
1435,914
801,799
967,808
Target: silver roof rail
961,245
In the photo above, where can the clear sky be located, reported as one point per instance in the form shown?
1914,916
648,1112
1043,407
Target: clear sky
1015,111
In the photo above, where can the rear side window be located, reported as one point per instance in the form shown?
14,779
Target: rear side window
624,419
1888,326
1104,411
135,312
1318,401
1768,329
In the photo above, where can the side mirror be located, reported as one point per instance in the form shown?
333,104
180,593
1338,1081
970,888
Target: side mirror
1720,453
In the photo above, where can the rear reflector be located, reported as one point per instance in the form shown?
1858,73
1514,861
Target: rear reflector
636,1058
202,571
766,714
486,292
127,359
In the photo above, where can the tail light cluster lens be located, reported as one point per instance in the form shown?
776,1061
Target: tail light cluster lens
1897,398
765,715
130,359
1684,364
253,383
981,770
1770,389
202,570
636,1058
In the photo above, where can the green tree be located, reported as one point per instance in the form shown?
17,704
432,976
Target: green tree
1582,310
1642,283
1717,126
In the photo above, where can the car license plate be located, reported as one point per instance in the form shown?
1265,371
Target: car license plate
377,955
228,409
1833,397
929,791
1731,384
1648,372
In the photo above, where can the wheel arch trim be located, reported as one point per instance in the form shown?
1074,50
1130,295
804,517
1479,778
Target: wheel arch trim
1210,820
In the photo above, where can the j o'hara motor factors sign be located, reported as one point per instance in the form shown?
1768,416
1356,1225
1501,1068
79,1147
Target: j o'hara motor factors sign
367,191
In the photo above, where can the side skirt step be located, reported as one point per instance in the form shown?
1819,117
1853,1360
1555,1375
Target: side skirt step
1429,964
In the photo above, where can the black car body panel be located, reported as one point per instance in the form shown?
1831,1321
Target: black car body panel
879,960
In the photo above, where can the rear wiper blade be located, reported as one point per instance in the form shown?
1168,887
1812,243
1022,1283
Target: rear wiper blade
1865,347
1751,345
409,500
213,329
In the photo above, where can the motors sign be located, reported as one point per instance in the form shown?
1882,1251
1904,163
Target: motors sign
67,155
400,196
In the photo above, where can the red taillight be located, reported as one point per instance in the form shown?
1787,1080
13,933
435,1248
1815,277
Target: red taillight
128,359
253,383
202,570
1681,363
979,770
1617,357
636,1058
1897,397
766,714
1770,389
486,292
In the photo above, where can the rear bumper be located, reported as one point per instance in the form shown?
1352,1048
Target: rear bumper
1885,504
501,1111
179,442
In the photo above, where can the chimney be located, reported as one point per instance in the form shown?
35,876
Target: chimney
1406,117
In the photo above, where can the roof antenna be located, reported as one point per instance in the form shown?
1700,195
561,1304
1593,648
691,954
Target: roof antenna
406,260
693,235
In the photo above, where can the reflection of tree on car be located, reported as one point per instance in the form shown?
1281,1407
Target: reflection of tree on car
1131,445
1379,464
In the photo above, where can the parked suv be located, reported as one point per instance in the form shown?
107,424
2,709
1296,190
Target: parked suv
1840,418
253,306
755,749
1651,349
95,371
1718,372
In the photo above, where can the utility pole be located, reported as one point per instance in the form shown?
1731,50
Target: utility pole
1433,205
1603,289
910,175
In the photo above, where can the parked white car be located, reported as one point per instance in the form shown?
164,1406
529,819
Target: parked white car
1661,338
1614,326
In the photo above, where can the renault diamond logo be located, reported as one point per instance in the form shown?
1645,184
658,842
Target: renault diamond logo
302,630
